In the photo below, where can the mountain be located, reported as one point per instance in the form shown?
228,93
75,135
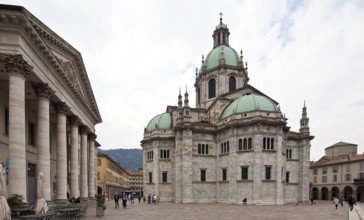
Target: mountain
129,159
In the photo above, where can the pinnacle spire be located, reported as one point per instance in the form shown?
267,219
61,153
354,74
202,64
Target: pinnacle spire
186,98
180,99
304,120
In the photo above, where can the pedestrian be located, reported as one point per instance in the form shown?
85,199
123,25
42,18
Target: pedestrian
124,199
336,202
311,200
154,199
245,201
139,198
351,202
116,199
149,198
341,201
131,199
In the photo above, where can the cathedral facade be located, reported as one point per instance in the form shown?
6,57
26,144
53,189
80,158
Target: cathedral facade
234,144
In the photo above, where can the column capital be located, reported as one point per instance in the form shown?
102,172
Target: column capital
84,129
42,90
61,107
92,136
15,64
74,120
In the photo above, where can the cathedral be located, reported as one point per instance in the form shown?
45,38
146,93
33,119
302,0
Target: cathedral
234,144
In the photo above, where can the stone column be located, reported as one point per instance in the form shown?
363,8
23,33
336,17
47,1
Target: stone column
91,167
44,92
18,70
61,109
74,178
84,183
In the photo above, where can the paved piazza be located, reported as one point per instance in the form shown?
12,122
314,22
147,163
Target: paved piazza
173,211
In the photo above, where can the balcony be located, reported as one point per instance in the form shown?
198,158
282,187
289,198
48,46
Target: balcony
359,181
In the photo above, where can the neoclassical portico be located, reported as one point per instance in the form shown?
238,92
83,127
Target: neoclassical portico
48,110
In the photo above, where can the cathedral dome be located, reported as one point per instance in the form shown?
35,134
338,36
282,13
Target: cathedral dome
230,56
249,103
161,121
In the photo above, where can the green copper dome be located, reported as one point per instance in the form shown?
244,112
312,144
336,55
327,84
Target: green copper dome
161,121
248,103
222,51
221,26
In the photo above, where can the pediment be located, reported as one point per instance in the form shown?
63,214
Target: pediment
71,71
67,61
65,57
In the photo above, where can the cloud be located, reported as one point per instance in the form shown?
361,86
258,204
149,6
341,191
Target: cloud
139,53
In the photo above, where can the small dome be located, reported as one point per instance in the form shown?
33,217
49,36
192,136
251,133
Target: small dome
249,103
221,26
161,121
222,51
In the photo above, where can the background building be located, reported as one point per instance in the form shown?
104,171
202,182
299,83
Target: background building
48,110
136,181
235,144
339,173
111,177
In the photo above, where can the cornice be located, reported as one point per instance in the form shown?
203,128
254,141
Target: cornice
38,33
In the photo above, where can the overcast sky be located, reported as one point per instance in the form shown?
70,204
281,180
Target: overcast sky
139,53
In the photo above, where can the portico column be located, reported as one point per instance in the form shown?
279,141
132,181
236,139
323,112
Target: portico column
91,167
74,182
18,69
84,183
61,109
43,92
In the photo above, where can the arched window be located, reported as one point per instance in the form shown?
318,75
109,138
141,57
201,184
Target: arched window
264,146
232,83
240,144
199,149
198,96
245,146
212,88
249,143
271,143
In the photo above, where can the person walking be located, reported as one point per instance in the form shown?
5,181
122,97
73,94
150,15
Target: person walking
336,202
154,199
149,199
351,202
131,199
116,199
341,201
125,199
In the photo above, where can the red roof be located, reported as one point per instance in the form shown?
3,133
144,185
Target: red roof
327,161
135,173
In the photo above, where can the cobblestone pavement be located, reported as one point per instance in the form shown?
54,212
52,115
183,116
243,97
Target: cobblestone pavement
322,210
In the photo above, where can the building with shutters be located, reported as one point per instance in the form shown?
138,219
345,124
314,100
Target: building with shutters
339,173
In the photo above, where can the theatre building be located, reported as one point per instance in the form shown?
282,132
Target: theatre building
48,111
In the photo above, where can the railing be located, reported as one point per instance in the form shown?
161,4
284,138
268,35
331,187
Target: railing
359,180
